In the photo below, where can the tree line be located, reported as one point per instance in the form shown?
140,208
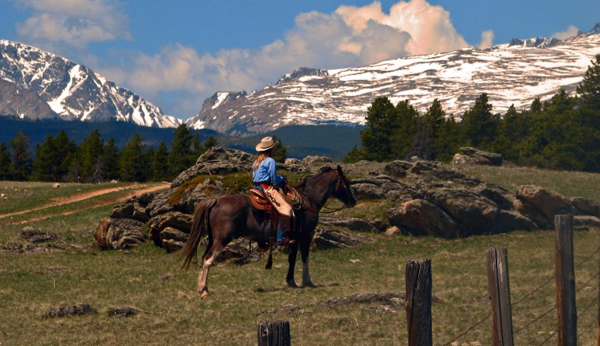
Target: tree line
60,159
561,133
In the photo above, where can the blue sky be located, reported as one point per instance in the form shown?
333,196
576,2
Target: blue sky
177,53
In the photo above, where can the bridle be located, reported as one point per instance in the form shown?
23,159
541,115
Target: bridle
341,182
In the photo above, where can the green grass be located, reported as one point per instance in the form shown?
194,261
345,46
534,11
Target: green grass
569,184
26,195
148,279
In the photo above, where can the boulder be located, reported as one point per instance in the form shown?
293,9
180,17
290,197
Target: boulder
541,204
36,235
421,217
473,156
175,220
119,234
216,161
331,239
172,239
354,224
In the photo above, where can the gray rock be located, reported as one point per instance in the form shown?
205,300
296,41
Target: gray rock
473,156
119,234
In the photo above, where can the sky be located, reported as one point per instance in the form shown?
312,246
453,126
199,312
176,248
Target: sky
177,53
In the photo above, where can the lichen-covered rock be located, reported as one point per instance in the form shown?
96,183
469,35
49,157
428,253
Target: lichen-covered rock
119,234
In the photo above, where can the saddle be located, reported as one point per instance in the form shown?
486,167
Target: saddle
261,202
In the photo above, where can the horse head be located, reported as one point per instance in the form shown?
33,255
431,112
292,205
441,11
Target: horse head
343,191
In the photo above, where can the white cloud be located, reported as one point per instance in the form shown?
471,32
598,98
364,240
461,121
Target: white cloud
351,36
570,32
487,39
62,24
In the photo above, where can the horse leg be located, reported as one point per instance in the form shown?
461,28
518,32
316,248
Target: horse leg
304,249
207,262
291,264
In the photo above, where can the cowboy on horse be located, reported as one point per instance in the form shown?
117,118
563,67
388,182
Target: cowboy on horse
265,178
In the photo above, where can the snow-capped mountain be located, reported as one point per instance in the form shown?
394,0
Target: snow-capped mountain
35,84
514,73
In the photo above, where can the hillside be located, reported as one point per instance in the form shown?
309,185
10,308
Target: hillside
514,73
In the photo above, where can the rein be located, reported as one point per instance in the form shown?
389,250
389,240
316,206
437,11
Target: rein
323,206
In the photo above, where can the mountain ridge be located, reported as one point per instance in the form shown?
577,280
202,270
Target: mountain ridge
71,91
511,74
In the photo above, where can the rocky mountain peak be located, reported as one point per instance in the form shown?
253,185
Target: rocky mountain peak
71,91
511,74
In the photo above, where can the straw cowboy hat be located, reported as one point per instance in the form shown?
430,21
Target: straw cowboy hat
266,144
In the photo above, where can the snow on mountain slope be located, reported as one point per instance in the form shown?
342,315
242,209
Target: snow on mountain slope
72,91
513,73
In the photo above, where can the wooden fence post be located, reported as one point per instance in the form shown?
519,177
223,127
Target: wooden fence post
565,281
499,290
274,333
418,302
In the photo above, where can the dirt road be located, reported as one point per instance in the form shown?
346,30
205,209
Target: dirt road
132,191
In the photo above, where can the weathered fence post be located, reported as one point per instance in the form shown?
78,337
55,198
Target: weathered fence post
274,333
499,289
418,302
565,281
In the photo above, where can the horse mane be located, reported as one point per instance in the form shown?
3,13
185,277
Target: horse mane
322,170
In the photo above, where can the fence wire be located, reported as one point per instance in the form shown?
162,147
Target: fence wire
542,285
468,329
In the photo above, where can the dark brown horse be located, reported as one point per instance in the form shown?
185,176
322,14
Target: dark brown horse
232,216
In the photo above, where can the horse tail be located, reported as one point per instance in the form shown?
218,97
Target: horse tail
200,226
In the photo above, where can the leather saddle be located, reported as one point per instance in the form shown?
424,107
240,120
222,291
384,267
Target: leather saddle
259,200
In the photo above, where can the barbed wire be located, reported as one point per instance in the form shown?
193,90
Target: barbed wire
585,329
588,258
581,313
582,286
535,320
534,290
469,329
548,338
542,285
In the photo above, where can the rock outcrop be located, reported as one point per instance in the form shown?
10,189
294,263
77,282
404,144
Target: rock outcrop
424,198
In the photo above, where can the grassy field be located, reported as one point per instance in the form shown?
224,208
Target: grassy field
171,312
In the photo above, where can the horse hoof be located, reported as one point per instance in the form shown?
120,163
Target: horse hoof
204,294
292,284
309,284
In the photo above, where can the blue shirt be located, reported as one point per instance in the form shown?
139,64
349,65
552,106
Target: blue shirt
266,172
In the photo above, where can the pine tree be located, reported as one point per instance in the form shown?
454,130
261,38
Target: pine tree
479,124
404,142
382,122
110,161
5,163
161,164
148,157
428,130
587,117
44,165
279,151
180,157
448,140
66,156
133,167
21,156
90,157
211,142
589,89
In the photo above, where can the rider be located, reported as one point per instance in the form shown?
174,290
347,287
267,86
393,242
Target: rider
265,178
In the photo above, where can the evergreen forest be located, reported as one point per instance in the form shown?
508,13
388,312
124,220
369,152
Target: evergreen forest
60,159
562,133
